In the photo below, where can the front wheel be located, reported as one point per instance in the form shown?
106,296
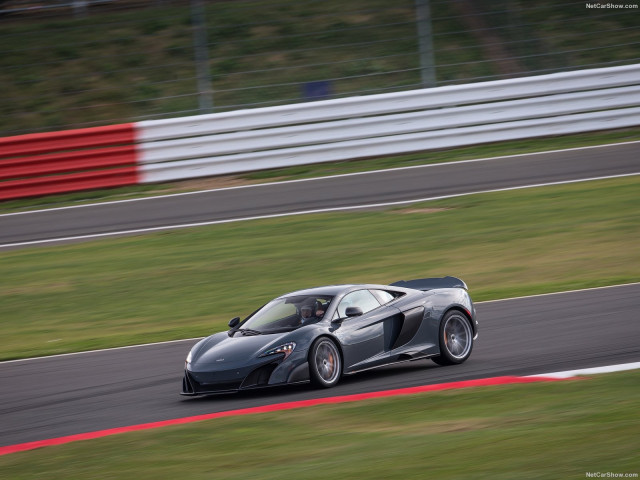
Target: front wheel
325,364
456,339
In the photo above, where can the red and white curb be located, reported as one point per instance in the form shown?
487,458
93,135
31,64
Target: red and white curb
589,371
549,377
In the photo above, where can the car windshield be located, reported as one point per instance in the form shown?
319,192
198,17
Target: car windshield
289,313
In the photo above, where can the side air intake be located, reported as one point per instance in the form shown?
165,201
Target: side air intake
187,386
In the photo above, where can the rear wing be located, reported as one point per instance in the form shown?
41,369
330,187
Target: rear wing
425,284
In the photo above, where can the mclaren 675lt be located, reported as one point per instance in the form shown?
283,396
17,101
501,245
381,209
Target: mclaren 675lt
320,334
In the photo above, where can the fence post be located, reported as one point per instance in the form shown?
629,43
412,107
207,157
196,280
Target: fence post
201,54
425,44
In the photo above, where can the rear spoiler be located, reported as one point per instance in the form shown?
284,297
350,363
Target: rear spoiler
425,284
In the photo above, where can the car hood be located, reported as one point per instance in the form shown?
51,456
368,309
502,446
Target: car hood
221,349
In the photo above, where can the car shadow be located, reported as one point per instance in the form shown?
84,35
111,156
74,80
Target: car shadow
347,385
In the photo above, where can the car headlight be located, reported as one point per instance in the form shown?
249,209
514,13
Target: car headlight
287,348
188,361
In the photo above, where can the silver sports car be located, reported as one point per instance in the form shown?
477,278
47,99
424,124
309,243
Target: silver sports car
322,333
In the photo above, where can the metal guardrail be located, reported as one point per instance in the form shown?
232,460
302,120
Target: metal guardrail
375,147
67,161
374,127
355,127
395,123
382,104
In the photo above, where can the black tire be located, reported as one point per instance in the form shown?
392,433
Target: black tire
325,363
456,339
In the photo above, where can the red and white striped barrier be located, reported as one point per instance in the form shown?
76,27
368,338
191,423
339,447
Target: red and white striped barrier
72,160
331,130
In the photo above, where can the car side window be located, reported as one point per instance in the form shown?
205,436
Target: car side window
383,296
360,298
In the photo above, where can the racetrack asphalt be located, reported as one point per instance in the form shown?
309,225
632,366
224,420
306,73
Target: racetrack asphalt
51,397
322,193
56,396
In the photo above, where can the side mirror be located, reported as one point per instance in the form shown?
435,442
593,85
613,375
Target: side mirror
353,312
234,322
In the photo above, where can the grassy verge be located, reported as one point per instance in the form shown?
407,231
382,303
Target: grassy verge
331,168
119,64
138,63
188,283
542,431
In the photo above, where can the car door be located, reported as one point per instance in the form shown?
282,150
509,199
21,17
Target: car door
362,337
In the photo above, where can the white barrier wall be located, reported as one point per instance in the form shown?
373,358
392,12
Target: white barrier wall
402,122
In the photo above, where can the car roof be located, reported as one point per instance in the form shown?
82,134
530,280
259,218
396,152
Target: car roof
334,290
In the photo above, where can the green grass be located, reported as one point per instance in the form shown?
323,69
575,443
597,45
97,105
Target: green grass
188,283
535,431
333,168
123,65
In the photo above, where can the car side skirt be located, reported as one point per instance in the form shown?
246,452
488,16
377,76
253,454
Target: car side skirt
395,362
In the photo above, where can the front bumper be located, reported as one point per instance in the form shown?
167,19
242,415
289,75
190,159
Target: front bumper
269,372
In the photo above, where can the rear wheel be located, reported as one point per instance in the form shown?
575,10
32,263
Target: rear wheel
325,364
456,339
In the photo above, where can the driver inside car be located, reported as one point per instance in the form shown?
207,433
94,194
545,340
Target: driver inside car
306,312
311,312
